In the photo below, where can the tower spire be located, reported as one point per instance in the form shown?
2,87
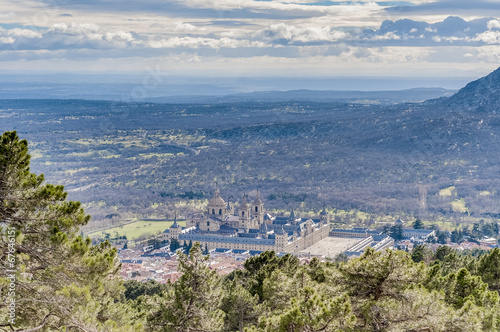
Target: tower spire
217,190
324,209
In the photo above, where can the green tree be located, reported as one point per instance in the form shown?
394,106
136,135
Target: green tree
311,312
421,253
174,245
62,281
418,224
442,237
396,232
134,288
455,236
192,302
380,274
442,252
240,307
260,267
489,269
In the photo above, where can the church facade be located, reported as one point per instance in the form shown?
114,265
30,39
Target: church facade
249,227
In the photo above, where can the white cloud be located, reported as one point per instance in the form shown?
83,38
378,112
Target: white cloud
7,40
26,33
489,37
184,27
202,42
494,24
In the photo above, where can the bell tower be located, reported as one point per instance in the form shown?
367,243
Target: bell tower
258,209
244,213
324,217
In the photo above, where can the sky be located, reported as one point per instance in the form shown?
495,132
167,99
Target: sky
309,38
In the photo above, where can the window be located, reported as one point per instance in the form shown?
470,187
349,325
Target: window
242,213
213,211
256,209
220,211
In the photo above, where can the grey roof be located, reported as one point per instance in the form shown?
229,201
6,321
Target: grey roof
380,237
225,239
175,224
132,261
225,229
292,215
355,231
240,251
248,235
418,231
280,221
280,231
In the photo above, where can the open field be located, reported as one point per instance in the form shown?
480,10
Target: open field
136,229
331,246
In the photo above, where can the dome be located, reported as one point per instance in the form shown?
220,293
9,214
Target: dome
217,200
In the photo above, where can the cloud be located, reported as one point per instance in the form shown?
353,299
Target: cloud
67,36
284,34
451,31
7,40
448,7
184,27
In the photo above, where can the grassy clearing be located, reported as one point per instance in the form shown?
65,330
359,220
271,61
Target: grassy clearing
447,192
459,206
136,229
443,225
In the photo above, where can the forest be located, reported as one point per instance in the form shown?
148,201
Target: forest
59,281
137,161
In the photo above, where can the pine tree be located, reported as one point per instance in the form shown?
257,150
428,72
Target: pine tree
174,245
192,302
240,307
489,269
418,224
59,276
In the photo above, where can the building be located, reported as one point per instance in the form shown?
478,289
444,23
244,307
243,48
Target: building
355,232
249,227
418,234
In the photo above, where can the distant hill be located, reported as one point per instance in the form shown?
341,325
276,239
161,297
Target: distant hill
402,159
358,97
480,95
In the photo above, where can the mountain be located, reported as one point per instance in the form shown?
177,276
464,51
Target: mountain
337,96
137,158
482,95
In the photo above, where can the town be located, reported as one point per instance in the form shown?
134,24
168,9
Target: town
231,235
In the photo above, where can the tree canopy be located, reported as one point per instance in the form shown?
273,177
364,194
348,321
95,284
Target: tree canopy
59,281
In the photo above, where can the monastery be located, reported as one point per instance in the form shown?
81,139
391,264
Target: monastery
249,227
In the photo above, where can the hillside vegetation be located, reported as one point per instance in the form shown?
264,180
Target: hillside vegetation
59,281
139,159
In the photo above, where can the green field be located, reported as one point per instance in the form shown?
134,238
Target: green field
136,229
